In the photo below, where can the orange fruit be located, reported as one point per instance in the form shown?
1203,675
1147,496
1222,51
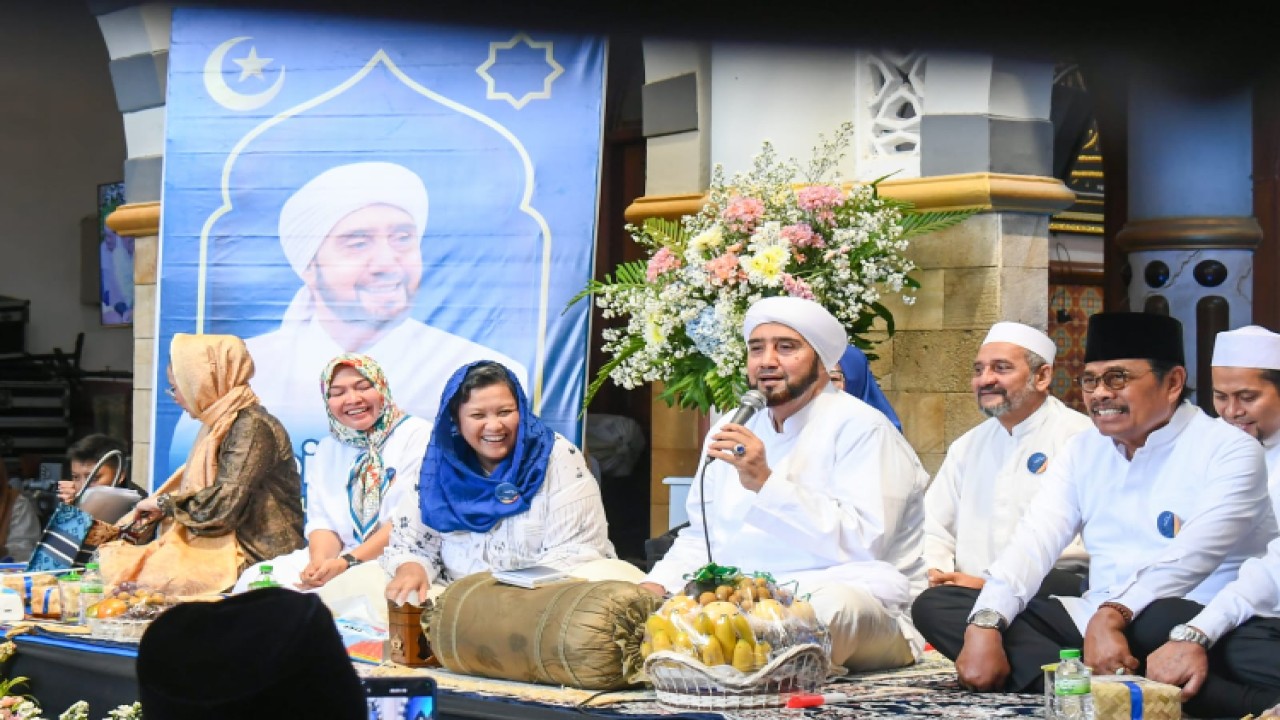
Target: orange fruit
111,608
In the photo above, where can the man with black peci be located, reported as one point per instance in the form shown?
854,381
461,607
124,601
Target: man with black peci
1169,503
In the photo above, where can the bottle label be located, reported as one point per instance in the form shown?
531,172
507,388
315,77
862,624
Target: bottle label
1071,686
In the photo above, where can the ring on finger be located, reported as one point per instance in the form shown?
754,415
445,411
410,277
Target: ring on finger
1122,670
739,449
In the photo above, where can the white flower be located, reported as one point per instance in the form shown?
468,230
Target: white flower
78,711
766,266
702,243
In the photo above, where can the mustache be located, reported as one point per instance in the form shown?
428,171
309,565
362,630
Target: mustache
1107,405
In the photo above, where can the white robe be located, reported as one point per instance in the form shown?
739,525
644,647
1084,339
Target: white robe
844,505
988,477
418,360
1209,476
564,527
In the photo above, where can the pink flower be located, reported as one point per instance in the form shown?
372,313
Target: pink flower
742,214
723,269
796,287
818,197
662,261
801,235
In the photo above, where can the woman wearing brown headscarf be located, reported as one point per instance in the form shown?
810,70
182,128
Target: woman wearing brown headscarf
238,498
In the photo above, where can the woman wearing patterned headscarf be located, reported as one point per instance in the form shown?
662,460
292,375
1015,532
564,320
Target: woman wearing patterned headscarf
237,500
357,475
499,490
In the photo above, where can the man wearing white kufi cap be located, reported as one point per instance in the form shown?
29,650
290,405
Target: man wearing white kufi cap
819,488
1246,390
991,472
1242,622
353,234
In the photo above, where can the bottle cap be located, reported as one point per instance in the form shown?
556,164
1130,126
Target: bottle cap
265,568
71,576
91,566
1067,654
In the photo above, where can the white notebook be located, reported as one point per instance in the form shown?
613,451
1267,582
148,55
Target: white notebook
531,577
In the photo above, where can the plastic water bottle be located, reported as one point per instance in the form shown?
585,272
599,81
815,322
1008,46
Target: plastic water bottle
91,590
265,579
1072,687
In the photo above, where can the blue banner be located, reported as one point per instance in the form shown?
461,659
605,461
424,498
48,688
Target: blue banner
423,194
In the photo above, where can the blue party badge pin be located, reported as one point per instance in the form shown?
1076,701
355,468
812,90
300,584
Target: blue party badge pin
1037,463
507,493
1169,524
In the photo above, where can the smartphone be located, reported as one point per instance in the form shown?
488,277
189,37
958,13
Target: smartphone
400,698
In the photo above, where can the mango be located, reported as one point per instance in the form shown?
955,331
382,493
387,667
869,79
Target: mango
716,609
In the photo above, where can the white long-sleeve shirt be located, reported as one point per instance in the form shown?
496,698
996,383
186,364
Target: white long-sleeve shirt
564,527
1257,590
1209,477
844,503
987,479
328,504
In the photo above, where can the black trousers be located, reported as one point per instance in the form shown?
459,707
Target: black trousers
1244,672
1043,628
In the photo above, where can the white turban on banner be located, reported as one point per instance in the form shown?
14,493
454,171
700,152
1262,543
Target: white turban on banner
1024,336
1248,347
311,212
819,328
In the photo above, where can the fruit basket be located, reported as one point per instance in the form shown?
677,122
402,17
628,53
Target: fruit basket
732,640
125,612
679,681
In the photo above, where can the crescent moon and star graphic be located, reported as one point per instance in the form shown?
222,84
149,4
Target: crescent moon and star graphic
251,66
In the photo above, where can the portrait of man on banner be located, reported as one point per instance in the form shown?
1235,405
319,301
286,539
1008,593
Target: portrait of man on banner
391,206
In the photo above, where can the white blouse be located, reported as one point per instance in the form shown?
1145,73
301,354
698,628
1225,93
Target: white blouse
328,471
564,527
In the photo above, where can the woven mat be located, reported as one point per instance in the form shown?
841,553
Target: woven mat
926,689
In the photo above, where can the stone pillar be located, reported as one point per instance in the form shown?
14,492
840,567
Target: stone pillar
677,103
137,37
986,142
1191,234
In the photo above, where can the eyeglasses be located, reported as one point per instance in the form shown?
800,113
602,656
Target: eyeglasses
1114,380
172,392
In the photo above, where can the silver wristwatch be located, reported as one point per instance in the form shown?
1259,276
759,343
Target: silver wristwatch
989,619
1186,633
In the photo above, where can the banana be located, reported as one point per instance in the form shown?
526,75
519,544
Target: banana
657,624
661,641
725,634
743,657
761,654
712,654
742,627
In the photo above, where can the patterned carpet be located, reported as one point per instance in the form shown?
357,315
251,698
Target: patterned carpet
925,690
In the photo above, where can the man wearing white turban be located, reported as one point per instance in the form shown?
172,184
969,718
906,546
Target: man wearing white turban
992,472
353,234
1246,391
820,489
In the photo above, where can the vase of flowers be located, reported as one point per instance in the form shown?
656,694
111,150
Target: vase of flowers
775,229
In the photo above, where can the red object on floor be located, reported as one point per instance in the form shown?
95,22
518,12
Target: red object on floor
928,647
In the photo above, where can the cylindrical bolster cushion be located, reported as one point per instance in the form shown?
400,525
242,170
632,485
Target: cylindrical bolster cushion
580,634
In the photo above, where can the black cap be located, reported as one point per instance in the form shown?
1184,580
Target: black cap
1130,335
270,653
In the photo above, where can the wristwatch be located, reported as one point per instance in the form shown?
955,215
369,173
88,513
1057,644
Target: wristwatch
989,619
352,560
1187,633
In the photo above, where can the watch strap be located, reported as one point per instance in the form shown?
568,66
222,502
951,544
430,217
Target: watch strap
352,560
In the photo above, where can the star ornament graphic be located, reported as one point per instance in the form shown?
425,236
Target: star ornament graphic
554,70
252,65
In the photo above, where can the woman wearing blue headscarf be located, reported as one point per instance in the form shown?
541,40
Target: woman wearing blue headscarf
499,490
853,375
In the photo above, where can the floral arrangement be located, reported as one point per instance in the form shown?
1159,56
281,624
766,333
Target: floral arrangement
776,229
25,707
